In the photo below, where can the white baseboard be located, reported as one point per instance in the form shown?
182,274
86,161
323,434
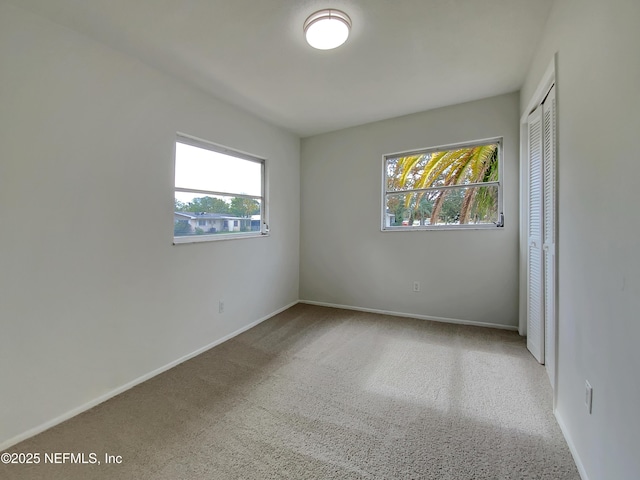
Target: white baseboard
572,447
103,398
413,315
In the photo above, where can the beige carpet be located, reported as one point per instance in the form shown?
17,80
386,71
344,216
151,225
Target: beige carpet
320,393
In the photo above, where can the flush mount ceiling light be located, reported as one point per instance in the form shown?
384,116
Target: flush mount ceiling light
327,29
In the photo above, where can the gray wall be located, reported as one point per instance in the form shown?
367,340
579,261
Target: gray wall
92,293
346,259
598,94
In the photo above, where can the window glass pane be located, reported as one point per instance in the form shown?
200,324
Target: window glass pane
202,169
455,206
408,209
199,214
447,167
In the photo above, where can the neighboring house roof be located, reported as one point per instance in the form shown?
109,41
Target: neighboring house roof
208,216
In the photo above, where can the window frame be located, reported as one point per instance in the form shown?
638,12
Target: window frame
262,198
440,148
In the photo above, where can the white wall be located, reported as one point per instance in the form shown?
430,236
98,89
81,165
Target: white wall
346,259
92,292
598,95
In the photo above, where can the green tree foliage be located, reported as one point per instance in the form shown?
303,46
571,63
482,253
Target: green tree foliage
181,228
203,204
244,207
178,206
238,207
422,209
451,206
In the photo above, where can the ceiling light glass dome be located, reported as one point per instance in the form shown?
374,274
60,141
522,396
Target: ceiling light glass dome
327,29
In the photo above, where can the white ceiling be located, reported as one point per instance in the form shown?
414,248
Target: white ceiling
403,56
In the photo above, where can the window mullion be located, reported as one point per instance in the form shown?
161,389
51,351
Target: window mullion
222,194
443,187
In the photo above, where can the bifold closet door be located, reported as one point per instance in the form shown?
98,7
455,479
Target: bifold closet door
549,229
535,279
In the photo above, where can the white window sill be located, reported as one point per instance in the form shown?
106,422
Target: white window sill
217,237
424,228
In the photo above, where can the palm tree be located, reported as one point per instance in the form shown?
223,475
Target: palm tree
448,169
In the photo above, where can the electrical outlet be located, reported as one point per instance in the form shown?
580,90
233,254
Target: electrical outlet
221,307
588,397
416,286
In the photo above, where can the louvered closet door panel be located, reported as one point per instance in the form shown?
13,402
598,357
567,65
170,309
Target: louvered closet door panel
535,288
549,229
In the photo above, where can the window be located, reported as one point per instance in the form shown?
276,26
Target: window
219,193
455,186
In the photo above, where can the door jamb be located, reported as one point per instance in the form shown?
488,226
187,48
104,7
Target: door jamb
547,80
